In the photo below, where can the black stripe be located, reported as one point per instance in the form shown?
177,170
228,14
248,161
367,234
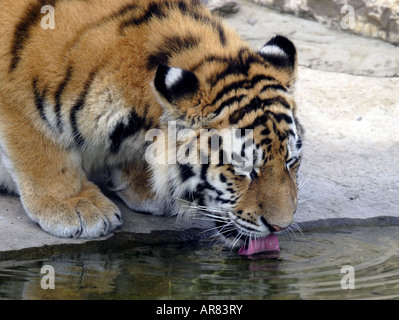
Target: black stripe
209,59
265,131
58,95
241,84
120,12
253,105
273,87
191,196
79,106
123,10
238,66
161,11
298,144
282,117
154,10
266,141
205,185
281,136
291,133
232,87
182,6
222,178
224,201
280,100
22,31
186,172
123,131
216,25
261,77
262,120
169,47
222,35
189,9
223,159
39,100
294,165
260,104
228,103
204,170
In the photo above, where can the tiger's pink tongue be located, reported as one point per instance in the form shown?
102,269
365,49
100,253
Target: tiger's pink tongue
266,244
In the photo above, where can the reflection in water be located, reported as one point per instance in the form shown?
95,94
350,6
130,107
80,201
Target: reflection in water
308,268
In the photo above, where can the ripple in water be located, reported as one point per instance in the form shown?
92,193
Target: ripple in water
309,267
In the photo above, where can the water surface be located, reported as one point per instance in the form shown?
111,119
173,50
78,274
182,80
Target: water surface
309,267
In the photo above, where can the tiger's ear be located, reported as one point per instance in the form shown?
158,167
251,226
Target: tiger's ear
174,84
178,91
281,53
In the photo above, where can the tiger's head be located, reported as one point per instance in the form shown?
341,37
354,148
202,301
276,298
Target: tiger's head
231,121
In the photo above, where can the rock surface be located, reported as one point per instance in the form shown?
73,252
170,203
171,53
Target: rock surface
378,19
319,46
351,145
19,232
222,7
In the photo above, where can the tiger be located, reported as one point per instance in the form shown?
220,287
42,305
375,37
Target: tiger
78,99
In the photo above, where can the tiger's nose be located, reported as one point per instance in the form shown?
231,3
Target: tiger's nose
271,227
277,228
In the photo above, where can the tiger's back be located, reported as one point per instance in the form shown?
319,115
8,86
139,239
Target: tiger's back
87,91
92,40
86,43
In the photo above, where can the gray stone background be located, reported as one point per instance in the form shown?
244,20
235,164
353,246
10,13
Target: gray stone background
373,18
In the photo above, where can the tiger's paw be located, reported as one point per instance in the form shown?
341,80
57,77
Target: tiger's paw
133,187
87,215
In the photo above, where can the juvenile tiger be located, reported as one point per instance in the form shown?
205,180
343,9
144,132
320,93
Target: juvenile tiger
78,99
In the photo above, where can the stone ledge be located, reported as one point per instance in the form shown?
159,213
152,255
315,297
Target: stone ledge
319,47
18,232
222,7
377,19
344,223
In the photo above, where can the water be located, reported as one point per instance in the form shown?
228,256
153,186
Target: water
309,267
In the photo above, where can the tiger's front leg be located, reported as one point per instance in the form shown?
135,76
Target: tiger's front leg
53,187
132,184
